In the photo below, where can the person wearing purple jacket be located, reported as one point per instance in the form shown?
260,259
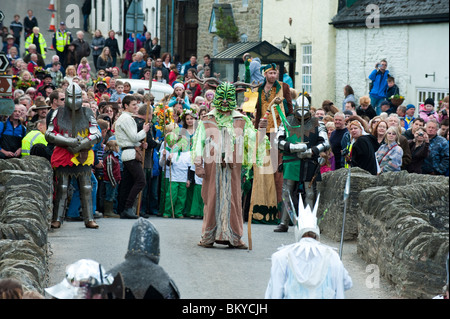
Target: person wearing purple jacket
129,49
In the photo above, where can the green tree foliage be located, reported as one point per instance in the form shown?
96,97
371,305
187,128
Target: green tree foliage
226,28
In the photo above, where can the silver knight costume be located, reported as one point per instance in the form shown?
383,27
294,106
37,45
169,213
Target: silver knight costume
143,277
73,130
301,138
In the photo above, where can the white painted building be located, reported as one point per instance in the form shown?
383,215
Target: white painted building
309,38
111,15
412,35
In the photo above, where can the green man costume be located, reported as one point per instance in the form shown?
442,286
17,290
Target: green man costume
225,143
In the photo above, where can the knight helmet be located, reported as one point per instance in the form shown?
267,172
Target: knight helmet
73,97
304,111
144,240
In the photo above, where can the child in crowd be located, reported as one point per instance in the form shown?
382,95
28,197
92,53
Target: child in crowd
209,96
127,88
328,164
391,91
84,64
119,94
427,110
195,182
179,96
188,118
112,176
175,156
158,77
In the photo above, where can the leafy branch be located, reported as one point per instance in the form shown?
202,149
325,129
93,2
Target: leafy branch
226,28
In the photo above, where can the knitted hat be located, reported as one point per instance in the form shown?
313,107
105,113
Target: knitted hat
410,106
429,101
178,85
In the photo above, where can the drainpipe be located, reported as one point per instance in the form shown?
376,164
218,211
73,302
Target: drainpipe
167,27
261,20
172,27
157,19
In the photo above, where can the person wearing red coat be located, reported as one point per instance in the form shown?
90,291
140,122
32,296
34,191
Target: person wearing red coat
129,49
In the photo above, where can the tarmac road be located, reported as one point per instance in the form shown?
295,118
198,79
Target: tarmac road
200,273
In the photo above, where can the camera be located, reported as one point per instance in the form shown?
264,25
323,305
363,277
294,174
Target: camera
420,134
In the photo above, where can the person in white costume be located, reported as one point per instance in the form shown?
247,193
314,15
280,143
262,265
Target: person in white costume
307,269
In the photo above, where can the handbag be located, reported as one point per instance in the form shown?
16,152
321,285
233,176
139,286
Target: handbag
139,154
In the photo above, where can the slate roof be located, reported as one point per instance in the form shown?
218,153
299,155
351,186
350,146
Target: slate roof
267,52
393,12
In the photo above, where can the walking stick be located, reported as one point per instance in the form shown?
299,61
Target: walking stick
346,195
263,131
138,210
163,202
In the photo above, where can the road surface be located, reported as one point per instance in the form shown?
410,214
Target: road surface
200,273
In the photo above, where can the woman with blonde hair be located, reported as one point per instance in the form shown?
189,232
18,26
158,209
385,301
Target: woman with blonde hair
389,155
71,72
105,61
361,152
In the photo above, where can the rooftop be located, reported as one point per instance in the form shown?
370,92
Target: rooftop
392,12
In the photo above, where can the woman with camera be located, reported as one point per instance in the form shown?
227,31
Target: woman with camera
419,147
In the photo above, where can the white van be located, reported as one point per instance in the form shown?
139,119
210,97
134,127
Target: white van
159,90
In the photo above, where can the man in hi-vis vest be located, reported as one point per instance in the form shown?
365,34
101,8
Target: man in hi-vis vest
60,39
38,39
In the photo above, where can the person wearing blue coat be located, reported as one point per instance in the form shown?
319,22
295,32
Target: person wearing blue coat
379,78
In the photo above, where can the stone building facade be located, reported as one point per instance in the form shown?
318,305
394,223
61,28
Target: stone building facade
395,30
247,17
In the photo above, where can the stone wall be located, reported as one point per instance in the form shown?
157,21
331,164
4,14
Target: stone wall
401,223
26,188
247,19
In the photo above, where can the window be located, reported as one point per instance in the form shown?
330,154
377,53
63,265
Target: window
435,94
307,67
215,45
245,3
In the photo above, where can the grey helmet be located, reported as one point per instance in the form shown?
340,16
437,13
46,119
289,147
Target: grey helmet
144,240
71,89
298,108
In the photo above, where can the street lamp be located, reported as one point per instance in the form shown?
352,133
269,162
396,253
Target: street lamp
284,43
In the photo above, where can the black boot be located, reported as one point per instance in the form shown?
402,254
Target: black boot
281,229
128,213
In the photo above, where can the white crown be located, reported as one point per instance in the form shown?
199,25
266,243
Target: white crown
307,220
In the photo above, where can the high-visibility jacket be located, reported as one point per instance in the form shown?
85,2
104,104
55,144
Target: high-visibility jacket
42,44
32,138
61,39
